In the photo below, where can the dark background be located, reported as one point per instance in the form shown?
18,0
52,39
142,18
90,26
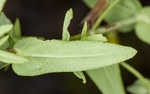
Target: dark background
45,18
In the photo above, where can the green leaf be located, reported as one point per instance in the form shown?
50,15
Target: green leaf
5,29
10,58
90,3
105,78
68,18
3,40
125,9
138,88
143,25
84,31
4,19
81,76
108,79
3,65
15,34
96,37
2,3
67,56
5,24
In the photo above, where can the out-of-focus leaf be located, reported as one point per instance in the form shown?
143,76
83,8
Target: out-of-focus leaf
96,37
67,56
81,76
5,24
2,2
5,29
90,3
3,65
138,88
68,17
15,34
125,9
143,25
10,58
108,79
84,31
3,40
4,20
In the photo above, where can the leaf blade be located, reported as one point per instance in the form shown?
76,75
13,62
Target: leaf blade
10,58
67,20
61,56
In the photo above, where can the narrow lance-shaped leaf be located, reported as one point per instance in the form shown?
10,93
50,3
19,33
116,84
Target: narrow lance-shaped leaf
138,88
68,17
2,2
5,24
3,40
4,20
84,31
108,79
5,29
80,75
143,25
15,34
67,56
11,58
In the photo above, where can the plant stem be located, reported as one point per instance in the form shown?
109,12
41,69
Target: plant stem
116,26
137,74
101,17
95,12
111,27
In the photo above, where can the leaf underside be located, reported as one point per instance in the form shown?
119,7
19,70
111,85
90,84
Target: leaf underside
67,56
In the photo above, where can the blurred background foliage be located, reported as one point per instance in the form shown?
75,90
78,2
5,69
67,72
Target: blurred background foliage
44,18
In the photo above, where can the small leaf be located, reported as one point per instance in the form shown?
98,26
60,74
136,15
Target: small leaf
68,18
96,37
10,58
90,3
138,88
15,34
2,2
3,40
4,20
81,76
107,79
84,31
3,65
5,24
143,25
123,10
67,56
5,29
